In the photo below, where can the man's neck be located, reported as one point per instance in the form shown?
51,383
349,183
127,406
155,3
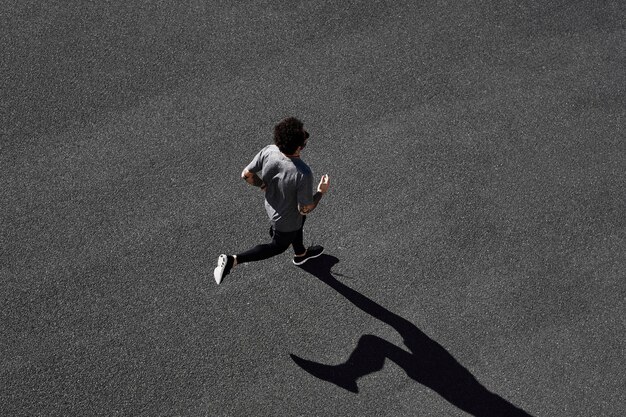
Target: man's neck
293,155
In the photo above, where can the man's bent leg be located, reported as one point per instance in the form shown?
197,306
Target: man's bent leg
280,243
302,254
298,240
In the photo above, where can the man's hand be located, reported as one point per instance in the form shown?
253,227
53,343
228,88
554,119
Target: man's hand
324,184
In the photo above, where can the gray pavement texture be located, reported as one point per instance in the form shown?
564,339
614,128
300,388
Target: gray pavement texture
475,230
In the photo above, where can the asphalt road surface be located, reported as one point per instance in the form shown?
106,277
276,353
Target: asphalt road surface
475,229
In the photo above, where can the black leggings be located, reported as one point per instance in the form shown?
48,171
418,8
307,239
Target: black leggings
280,243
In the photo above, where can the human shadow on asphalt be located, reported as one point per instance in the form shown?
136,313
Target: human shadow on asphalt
428,362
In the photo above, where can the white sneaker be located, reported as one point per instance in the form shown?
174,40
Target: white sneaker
311,253
224,265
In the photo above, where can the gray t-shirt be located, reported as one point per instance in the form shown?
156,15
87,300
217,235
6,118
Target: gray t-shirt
289,183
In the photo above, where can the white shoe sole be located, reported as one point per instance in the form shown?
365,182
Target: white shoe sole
218,273
306,259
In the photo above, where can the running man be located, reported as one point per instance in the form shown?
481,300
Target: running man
288,185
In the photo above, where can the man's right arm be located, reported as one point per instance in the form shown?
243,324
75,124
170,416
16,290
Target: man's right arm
249,172
252,179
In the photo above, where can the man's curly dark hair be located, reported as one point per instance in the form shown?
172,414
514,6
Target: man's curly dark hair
289,133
